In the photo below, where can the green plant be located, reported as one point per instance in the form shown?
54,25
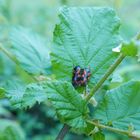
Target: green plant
85,36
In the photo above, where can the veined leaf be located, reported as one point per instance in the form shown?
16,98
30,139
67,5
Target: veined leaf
34,93
30,50
68,103
121,106
22,96
10,130
85,37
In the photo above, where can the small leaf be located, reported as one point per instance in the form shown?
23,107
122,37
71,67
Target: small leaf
99,136
30,50
129,49
89,128
85,36
69,105
2,92
120,107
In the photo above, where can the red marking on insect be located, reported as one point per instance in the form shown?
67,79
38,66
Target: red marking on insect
80,76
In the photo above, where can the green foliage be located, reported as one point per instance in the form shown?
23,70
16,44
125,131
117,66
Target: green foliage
138,44
85,37
129,49
120,107
99,136
23,96
69,105
2,91
30,50
10,130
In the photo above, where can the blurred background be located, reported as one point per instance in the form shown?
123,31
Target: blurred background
40,122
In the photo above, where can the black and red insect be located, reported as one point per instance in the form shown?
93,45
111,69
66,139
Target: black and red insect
80,76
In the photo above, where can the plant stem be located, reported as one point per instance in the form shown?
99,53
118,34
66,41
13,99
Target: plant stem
63,132
65,128
5,51
8,54
103,79
99,84
115,130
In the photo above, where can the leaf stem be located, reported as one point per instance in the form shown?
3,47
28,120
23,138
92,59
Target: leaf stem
99,84
103,79
115,130
63,132
6,52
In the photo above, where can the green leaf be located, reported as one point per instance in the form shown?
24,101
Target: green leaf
2,92
99,136
10,130
121,107
30,50
129,49
85,37
22,96
88,129
69,105
138,44
33,93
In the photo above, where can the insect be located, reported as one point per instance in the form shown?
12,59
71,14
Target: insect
80,76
